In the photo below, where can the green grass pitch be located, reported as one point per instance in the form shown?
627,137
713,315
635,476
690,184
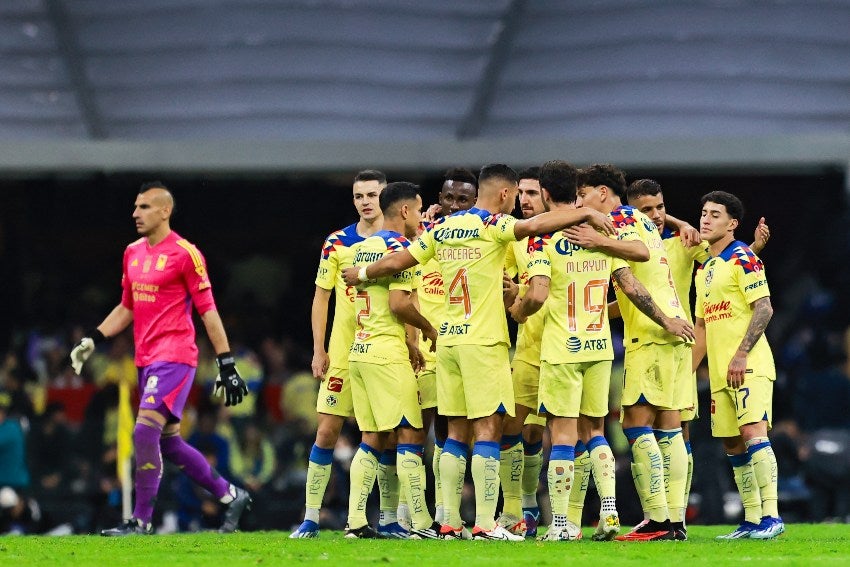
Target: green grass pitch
802,544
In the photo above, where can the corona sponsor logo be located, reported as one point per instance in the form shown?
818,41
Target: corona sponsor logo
443,234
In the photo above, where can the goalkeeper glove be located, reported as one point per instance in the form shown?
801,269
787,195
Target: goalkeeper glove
83,349
228,380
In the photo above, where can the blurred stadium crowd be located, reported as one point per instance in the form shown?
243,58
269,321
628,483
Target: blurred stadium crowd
58,436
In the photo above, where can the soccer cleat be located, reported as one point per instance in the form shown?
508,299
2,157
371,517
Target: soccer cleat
498,533
307,529
569,532
393,530
649,531
235,510
532,520
448,532
607,528
769,528
744,531
513,524
432,532
363,532
130,527
680,531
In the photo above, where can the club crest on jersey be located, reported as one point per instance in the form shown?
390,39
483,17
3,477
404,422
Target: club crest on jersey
160,262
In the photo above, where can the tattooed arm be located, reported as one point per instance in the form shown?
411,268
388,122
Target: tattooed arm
641,299
762,312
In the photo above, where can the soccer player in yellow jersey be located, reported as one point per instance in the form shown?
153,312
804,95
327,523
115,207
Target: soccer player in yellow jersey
473,371
645,195
521,455
657,351
576,354
732,311
384,388
458,193
330,366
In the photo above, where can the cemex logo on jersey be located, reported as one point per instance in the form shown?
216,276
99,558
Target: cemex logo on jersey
335,384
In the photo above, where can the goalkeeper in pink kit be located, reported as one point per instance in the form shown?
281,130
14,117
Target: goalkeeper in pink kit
164,275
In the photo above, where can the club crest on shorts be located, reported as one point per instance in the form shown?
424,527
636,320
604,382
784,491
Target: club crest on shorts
331,401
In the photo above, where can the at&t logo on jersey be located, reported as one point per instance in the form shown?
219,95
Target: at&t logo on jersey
575,344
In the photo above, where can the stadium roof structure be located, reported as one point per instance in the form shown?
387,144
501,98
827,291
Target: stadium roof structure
246,85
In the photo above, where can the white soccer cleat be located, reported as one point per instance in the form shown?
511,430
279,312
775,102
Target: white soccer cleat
569,532
498,533
513,524
607,528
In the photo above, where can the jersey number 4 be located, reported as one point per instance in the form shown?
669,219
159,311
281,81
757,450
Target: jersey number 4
459,292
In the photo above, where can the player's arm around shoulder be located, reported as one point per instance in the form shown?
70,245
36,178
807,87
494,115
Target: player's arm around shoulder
630,249
551,221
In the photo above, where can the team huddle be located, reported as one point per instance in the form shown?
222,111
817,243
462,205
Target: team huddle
420,340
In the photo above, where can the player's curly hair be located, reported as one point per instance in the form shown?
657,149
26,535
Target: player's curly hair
559,179
603,174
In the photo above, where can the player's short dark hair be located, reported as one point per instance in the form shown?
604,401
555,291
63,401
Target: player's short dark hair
371,175
643,187
532,172
733,204
155,184
603,174
462,175
396,192
497,171
559,179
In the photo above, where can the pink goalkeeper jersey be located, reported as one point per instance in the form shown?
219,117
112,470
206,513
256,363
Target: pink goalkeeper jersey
160,285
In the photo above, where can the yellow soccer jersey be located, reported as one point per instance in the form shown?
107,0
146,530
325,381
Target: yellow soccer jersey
726,286
470,247
337,255
681,260
529,333
379,335
432,298
655,276
576,328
